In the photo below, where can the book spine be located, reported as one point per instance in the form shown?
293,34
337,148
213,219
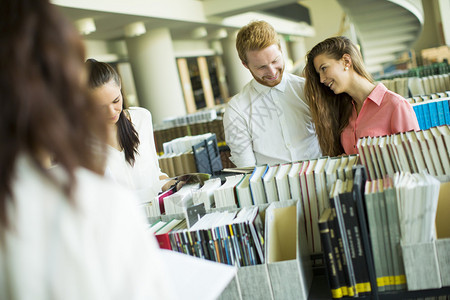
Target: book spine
441,114
434,114
235,244
344,246
447,111
359,186
355,243
394,235
427,115
330,261
340,263
386,240
418,109
213,253
204,241
164,241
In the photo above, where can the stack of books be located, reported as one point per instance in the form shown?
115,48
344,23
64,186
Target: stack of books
413,151
432,110
264,242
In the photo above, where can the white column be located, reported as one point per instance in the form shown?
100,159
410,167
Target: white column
298,53
444,8
236,73
156,75
286,55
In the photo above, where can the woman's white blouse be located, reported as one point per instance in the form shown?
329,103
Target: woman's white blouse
97,247
143,177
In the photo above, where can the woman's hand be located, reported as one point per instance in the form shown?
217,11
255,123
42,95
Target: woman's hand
171,183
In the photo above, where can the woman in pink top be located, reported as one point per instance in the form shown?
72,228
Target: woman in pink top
345,102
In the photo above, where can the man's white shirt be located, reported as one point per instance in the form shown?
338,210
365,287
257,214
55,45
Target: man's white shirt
270,125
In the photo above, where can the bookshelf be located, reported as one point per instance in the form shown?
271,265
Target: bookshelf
320,288
193,125
250,278
203,82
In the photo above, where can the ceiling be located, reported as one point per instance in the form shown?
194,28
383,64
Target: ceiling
110,23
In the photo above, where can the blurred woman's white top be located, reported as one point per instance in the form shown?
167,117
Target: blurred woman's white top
95,248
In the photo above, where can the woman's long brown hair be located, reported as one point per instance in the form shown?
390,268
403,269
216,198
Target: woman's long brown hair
331,112
45,107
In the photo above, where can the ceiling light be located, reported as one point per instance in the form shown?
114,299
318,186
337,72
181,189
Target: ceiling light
135,29
85,26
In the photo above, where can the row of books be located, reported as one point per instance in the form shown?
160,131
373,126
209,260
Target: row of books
168,134
433,110
174,164
264,242
340,234
191,154
225,237
428,97
416,86
397,211
308,181
197,117
185,143
401,210
433,68
413,151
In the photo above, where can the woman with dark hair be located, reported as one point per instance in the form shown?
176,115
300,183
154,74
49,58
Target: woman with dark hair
65,232
345,102
131,154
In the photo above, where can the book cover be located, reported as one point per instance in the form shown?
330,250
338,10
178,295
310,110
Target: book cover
434,116
343,239
383,233
336,243
409,152
257,185
427,116
305,205
351,222
440,147
270,186
294,181
282,182
394,233
446,106
359,188
194,213
416,152
329,256
441,111
321,184
418,109
243,193
425,152
433,152
445,132
313,206
162,234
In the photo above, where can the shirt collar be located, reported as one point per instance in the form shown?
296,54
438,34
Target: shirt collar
377,94
260,88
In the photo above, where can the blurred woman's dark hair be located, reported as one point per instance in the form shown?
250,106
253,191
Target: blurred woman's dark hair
45,107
